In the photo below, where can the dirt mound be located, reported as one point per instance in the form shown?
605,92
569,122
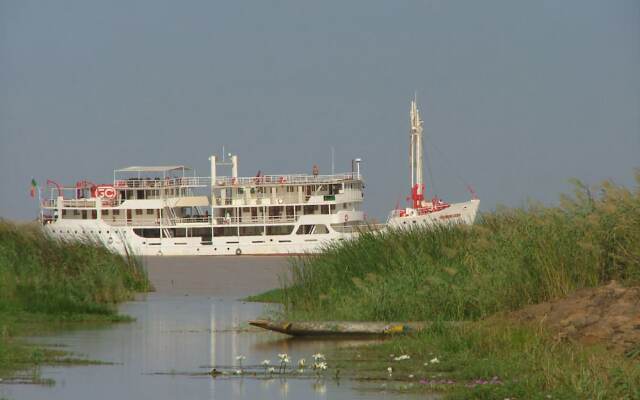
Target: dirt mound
609,314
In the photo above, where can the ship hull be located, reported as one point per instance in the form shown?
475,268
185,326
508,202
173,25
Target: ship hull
457,213
124,240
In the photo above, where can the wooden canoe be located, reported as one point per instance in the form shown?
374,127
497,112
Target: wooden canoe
339,328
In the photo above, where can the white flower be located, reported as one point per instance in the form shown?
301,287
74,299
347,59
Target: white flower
240,358
411,376
266,363
402,357
238,372
390,371
434,360
271,370
301,363
318,357
284,358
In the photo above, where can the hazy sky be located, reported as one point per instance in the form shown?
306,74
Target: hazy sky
518,96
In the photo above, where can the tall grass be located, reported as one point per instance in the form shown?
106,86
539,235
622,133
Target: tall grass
42,275
510,258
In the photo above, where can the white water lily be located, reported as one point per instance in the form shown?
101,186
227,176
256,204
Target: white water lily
266,363
271,370
434,360
402,357
284,360
317,357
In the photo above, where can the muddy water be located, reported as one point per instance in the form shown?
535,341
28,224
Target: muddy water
189,325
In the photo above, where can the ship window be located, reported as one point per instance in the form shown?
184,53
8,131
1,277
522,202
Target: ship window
149,211
76,212
251,230
116,212
94,214
324,209
147,233
279,230
225,231
138,211
84,214
64,213
104,212
319,229
178,232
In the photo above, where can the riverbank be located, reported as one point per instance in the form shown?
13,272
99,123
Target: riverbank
44,283
510,259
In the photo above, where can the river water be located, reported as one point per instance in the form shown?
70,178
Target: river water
193,321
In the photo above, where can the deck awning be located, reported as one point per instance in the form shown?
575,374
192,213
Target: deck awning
158,168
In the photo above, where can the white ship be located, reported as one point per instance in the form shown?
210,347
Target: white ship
167,210
427,212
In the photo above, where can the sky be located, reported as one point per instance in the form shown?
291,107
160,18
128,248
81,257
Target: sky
517,97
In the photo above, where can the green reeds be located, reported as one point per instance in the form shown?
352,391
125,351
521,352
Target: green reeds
508,259
42,275
44,281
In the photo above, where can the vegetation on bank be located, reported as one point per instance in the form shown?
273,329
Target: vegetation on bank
509,259
45,281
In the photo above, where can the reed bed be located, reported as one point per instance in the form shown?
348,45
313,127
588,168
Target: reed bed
508,259
41,275
45,281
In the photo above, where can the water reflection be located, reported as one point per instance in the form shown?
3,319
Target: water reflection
179,337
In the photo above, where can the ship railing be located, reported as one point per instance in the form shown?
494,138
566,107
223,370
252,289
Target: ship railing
285,179
160,183
254,220
191,220
49,203
79,203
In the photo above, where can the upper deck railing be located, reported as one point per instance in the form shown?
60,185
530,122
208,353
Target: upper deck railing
293,179
264,180
165,183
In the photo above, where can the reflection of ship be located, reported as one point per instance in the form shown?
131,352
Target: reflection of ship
166,211
427,212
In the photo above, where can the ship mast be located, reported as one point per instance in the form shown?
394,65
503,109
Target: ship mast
415,154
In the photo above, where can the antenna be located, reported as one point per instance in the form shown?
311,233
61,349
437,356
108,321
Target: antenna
333,168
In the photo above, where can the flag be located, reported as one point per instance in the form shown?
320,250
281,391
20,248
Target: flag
34,185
